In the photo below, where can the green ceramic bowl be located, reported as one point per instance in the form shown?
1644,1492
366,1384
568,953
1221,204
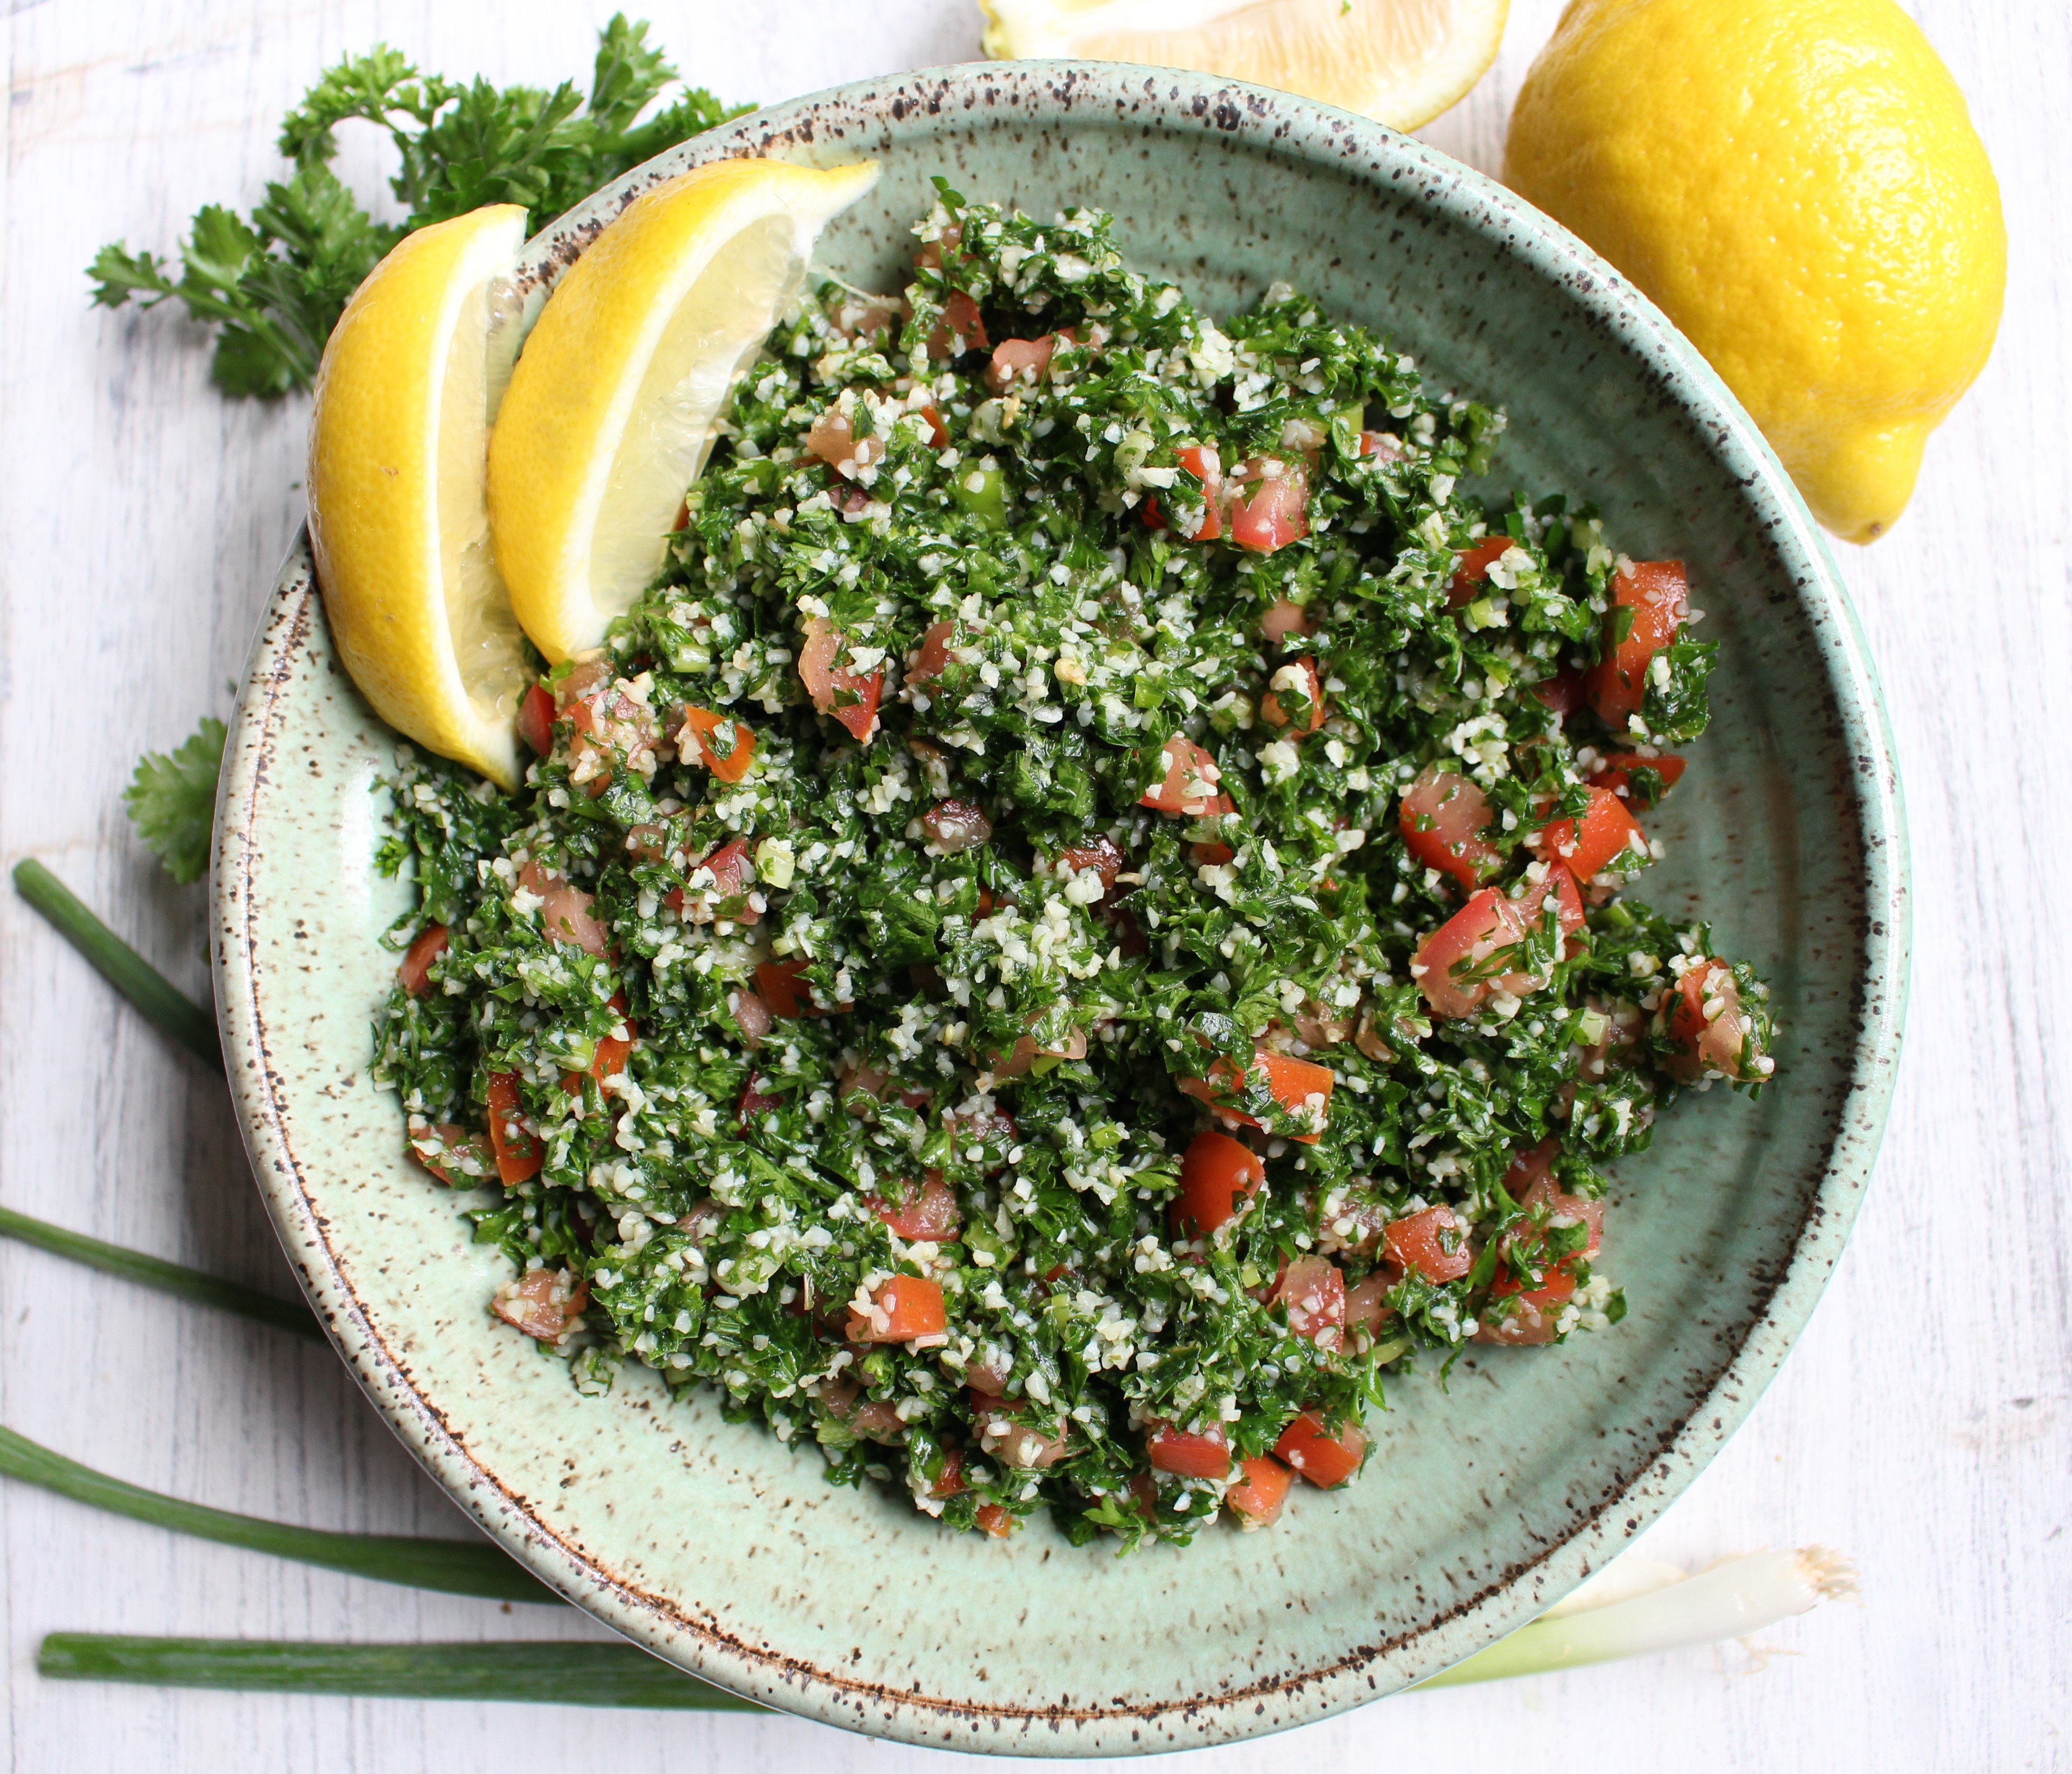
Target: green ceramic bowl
713,1545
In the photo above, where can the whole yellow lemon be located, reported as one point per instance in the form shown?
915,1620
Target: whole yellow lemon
1797,184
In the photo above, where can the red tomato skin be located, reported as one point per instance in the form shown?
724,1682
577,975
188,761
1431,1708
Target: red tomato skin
1656,592
1276,515
857,697
1172,1450
1218,1174
1313,1289
939,433
1257,1499
1201,461
610,1058
415,971
519,1154
1715,1045
935,653
1188,787
536,719
1486,923
929,1212
1568,910
1471,572
1028,360
995,1521
913,1307
1283,617
1325,1460
1588,845
1415,1242
1443,819
776,982
699,722
1564,693
1274,715
1615,773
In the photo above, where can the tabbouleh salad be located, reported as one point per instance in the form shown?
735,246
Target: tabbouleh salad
1076,927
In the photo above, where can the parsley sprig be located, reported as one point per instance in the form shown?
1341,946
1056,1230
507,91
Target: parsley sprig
274,283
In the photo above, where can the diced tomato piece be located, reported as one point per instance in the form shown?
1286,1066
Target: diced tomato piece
1434,1243
1283,617
778,982
1218,1175
851,699
1294,1083
1188,786
960,329
902,1310
609,1059
1366,1304
953,826
564,910
1191,1456
1590,845
995,1521
1323,1459
751,1016
717,887
726,746
833,439
1099,853
536,719
1202,462
1025,360
935,653
416,971
1256,1500
754,1103
1471,573
519,1152
1568,902
1384,445
1209,856
457,1157
950,1481
1564,693
1312,686
1656,594
1711,1042
1616,771
1445,821
939,433
1277,514
546,1303
928,1212
1474,939
1313,1289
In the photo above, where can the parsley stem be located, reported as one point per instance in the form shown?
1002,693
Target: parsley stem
291,1315
574,1674
460,1567
121,966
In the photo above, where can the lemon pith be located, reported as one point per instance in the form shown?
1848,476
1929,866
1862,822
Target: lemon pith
1401,62
610,410
398,523
1797,184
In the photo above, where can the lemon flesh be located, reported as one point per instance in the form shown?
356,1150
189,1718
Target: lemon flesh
398,525
1797,184
1401,62
611,411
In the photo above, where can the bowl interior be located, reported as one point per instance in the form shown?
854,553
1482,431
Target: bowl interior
727,1552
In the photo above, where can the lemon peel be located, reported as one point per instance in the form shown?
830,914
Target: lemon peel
1401,62
1799,185
612,409
398,523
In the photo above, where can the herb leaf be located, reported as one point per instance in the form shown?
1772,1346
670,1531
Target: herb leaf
171,799
274,284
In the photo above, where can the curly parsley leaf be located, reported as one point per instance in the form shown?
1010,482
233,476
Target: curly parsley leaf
171,799
274,284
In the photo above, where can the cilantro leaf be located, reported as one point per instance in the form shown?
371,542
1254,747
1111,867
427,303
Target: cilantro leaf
171,799
274,284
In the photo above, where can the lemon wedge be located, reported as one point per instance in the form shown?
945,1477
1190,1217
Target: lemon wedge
612,409
398,523
1401,62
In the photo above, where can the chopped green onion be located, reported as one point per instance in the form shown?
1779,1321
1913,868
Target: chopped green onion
574,1674
120,964
460,1567
1736,1597
291,1315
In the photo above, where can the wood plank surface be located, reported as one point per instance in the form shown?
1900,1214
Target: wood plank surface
1923,1426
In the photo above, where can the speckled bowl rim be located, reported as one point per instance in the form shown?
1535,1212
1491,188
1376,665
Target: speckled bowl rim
1303,132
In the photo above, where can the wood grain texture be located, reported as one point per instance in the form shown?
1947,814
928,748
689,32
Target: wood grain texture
1924,1425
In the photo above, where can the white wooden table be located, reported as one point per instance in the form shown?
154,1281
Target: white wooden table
1924,1425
